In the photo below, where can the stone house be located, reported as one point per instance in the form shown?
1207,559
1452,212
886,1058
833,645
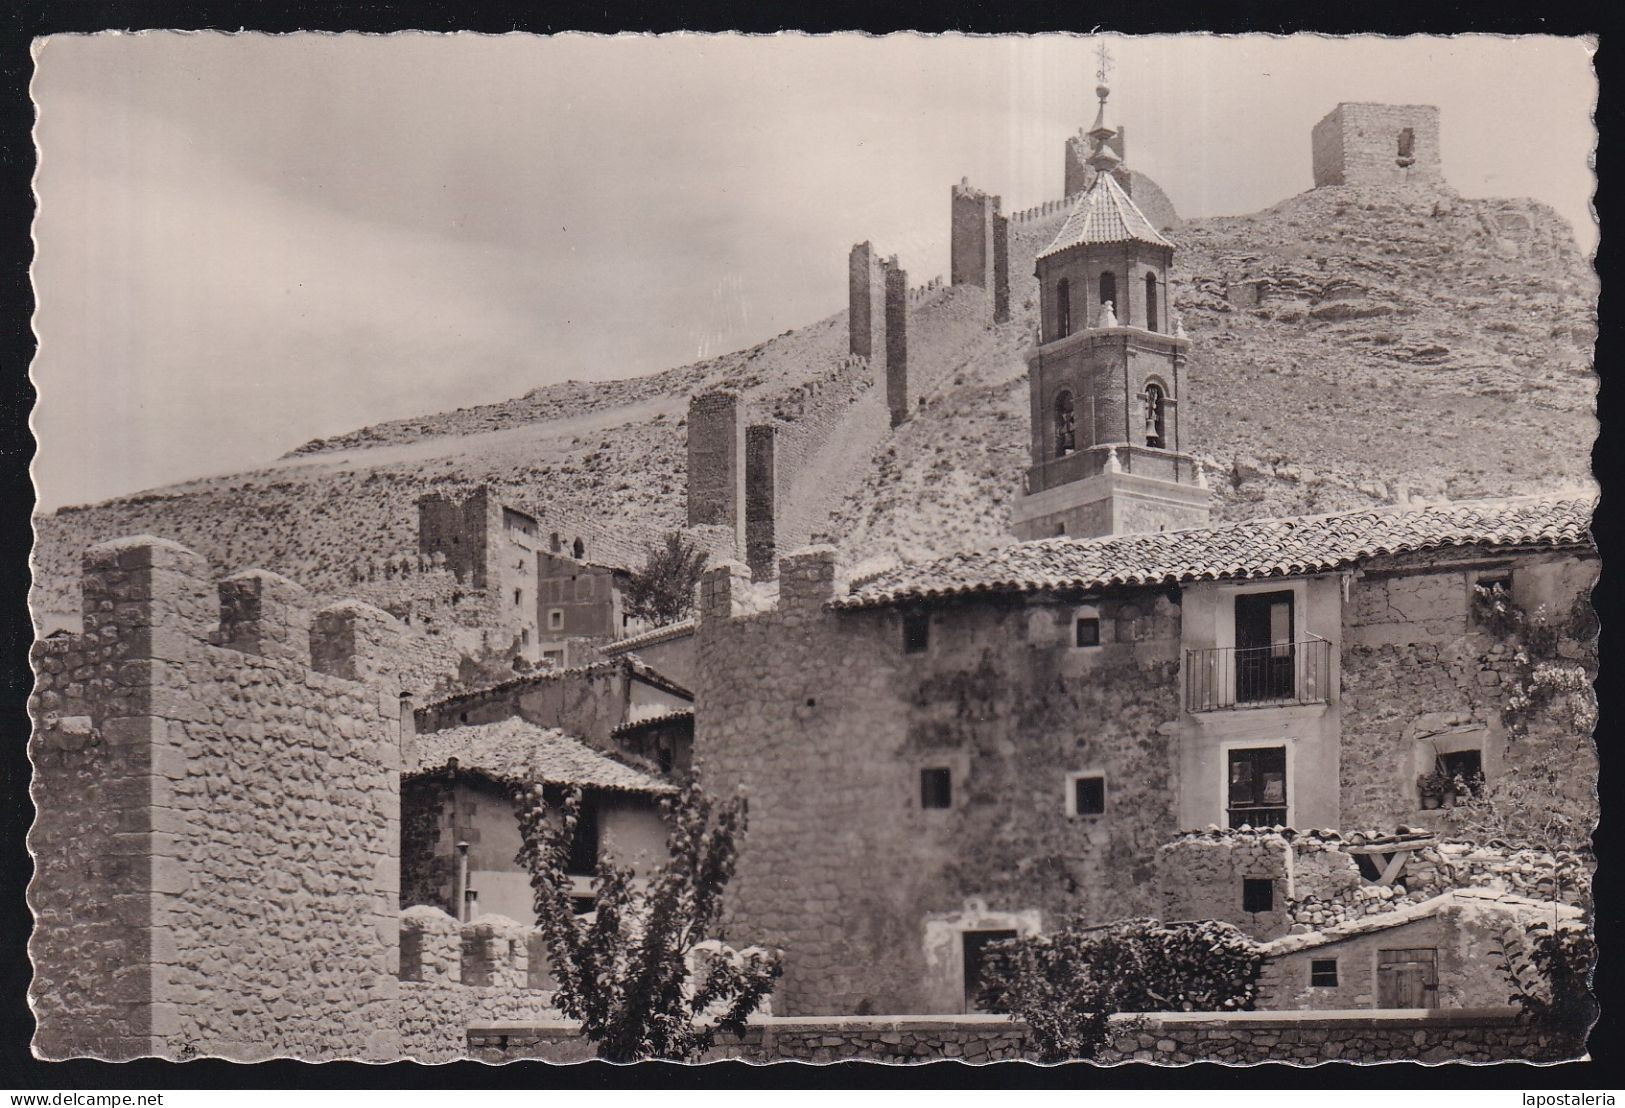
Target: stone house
990,742
460,834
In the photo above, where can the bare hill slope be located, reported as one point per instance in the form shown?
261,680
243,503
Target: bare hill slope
1344,340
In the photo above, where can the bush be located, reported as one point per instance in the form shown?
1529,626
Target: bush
1066,985
1549,969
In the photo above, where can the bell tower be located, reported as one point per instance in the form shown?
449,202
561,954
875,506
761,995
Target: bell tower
1107,374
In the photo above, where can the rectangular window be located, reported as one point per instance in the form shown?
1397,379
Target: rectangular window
583,860
524,636
1258,894
1466,765
1257,786
518,597
936,787
555,619
1088,633
916,632
1088,794
1323,973
1490,591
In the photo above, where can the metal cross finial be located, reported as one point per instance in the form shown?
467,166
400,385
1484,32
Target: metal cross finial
1105,58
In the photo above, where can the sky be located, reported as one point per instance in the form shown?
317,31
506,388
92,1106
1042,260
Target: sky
245,242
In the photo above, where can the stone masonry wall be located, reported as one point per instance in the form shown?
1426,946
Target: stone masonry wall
457,975
1359,144
195,748
716,460
1177,1038
866,304
1001,269
1319,883
826,722
1418,675
972,213
761,499
898,397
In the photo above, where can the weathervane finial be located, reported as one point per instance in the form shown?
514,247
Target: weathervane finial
1104,57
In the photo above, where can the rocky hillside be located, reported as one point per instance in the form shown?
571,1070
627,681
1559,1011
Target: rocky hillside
1345,341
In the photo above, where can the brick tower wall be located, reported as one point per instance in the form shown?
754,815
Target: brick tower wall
760,500
897,394
716,455
1359,144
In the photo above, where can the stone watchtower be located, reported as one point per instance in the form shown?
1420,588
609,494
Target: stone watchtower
1106,376
1378,144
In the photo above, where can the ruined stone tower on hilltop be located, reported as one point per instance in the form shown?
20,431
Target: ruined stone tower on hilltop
1378,144
1106,374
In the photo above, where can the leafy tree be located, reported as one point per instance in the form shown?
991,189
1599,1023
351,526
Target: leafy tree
663,590
1066,985
624,969
1549,969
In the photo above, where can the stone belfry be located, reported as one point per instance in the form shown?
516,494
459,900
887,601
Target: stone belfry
1107,373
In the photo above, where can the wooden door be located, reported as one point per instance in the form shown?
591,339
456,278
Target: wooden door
1408,978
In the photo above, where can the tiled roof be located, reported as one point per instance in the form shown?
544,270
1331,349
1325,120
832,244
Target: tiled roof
661,720
630,663
517,751
651,637
1104,214
1236,551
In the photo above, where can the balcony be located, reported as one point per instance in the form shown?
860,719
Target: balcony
1258,677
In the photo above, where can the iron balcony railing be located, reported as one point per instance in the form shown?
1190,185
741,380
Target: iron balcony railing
1256,677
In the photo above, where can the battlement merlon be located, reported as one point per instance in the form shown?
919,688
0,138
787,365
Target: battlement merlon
148,599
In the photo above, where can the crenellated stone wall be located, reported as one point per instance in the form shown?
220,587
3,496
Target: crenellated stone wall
195,748
455,975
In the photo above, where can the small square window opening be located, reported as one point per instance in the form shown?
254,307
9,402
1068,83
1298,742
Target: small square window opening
936,787
1258,894
1089,795
1323,973
1088,631
555,619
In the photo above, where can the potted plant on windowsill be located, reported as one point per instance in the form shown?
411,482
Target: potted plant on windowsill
1437,789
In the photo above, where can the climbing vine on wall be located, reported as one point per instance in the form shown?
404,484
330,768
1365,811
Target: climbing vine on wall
1554,658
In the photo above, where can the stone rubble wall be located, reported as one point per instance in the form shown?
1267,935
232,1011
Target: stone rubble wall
195,749
801,693
1416,669
1200,876
457,975
1165,1038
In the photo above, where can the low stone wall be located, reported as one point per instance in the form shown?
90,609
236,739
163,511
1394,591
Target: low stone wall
1296,1038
